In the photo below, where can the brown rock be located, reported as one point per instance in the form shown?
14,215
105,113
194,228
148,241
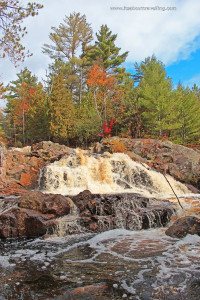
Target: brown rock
50,151
23,169
183,226
20,222
46,203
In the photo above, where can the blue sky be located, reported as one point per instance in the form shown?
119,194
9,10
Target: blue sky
172,35
186,71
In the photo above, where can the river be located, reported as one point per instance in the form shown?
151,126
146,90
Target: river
116,264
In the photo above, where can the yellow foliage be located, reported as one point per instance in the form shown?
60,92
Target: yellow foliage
117,146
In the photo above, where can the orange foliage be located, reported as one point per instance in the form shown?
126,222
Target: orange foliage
21,105
98,77
118,146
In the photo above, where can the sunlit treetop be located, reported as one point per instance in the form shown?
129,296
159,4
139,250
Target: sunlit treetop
12,14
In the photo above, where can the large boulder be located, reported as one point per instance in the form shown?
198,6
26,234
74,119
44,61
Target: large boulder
55,204
22,166
33,214
20,222
50,151
183,226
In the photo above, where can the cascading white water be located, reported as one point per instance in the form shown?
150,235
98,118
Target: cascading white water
108,173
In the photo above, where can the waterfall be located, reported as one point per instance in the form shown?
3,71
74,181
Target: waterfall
105,173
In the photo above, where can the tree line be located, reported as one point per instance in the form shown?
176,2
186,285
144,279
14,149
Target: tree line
89,94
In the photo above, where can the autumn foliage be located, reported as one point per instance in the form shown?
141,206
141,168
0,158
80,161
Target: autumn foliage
102,85
117,146
107,129
97,77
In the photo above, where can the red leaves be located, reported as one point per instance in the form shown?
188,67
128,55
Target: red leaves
31,91
107,128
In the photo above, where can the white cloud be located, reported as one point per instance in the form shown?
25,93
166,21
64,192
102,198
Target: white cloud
194,80
170,35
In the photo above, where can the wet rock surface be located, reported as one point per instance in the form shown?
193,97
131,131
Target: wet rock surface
35,214
130,211
115,265
19,222
183,226
54,204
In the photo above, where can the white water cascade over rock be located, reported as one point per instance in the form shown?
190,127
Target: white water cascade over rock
107,173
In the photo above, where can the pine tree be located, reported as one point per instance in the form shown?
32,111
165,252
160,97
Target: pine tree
154,93
67,39
12,14
70,41
188,115
106,53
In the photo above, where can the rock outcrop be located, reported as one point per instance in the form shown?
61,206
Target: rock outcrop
35,214
183,226
131,211
22,167
180,162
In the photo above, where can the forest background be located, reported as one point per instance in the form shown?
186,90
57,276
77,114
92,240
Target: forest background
88,93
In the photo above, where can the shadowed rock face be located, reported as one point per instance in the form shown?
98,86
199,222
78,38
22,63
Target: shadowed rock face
34,214
184,226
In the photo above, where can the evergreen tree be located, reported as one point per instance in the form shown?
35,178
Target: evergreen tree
196,89
37,121
61,110
106,53
70,41
188,115
154,93
67,39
